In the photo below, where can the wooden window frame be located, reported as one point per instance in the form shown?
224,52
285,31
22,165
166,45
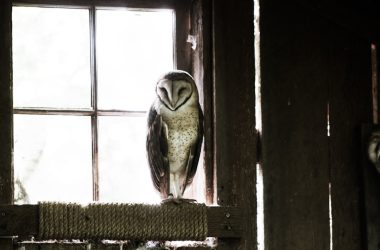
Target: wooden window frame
223,65
181,59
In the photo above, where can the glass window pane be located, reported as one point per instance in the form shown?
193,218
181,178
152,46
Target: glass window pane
133,49
52,158
51,57
123,169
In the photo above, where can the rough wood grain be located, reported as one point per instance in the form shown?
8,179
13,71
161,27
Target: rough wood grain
6,243
350,106
371,181
201,64
6,116
294,137
103,3
360,18
182,28
18,220
125,246
234,113
22,220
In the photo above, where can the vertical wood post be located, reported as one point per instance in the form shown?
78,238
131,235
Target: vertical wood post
6,117
294,75
234,113
350,106
202,72
182,26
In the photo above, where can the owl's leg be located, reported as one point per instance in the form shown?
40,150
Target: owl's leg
175,186
176,190
173,196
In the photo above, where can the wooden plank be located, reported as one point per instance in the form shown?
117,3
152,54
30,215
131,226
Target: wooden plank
6,243
182,29
193,248
350,106
225,222
18,220
294,72
62,247
6,125
375,84
347,13
74,246
22,220
201,71
371,181
6,117
103,3
122,246
234,113
28,247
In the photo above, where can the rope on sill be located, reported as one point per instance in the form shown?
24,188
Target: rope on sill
168,221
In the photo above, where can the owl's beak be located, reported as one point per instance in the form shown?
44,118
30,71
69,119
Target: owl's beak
173,102
172,97
172,106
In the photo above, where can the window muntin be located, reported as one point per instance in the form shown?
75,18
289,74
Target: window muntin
102,126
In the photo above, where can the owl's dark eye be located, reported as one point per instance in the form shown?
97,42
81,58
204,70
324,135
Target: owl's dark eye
181,91
163,90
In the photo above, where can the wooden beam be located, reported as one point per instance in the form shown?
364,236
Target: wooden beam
18,220
6,243
234,113
295,72
101,3
115,246
359,18
182,29
350,105
6,116
22,220
202,73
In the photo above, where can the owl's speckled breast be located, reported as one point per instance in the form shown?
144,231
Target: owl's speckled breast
182,134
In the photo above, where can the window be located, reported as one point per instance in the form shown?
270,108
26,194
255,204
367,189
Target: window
84,78
221,59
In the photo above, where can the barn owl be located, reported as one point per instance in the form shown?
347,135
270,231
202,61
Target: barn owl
175,133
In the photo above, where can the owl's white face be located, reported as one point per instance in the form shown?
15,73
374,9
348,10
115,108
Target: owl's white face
174,93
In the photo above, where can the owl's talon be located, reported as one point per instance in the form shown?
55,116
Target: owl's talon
177,201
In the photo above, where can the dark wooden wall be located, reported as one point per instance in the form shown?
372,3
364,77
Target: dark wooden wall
312,68
234,112
360,17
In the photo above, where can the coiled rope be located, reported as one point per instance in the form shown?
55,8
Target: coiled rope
169,221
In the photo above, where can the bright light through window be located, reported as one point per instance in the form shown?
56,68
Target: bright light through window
134,48
52,158
79,123
51,58
123,169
